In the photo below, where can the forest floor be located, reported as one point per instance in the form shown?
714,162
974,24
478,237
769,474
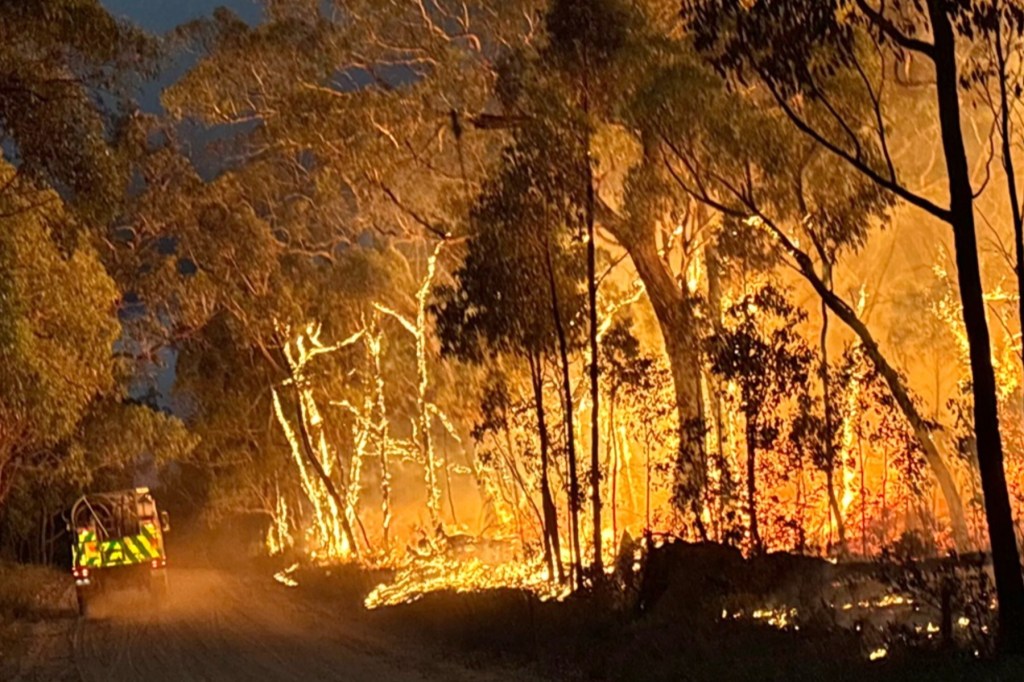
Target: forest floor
242,625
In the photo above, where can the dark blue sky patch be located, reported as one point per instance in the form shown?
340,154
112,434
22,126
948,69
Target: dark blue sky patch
160,16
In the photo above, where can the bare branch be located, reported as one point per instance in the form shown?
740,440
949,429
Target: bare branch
889,29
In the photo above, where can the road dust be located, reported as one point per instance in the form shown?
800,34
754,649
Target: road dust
216,626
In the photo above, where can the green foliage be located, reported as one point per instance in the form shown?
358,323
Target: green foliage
523,239
586,34
65,65
117,437
67,70
734,150
63,424
58,326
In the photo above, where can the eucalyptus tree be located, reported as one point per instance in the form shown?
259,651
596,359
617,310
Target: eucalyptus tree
66,420
67,73
992,74
584,39
57,322
731,150
591,59
795,50
300,169
67,69
519,286
760,348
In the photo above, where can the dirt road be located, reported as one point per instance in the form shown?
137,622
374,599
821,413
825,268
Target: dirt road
218,626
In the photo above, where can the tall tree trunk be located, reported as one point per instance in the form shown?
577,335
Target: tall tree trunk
570,430
1011,174
826,397
678,325
373,345
1005,556
755,534
677,320
595,408
552,544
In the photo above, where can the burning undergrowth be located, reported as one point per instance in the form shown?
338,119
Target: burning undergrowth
891,605
881,609
667,605
444,573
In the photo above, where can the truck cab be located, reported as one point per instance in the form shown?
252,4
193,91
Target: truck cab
118,541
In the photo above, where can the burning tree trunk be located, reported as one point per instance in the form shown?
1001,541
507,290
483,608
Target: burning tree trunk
298,354
339,503
423,431
373,349
424,424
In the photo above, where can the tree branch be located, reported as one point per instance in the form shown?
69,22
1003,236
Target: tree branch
888,28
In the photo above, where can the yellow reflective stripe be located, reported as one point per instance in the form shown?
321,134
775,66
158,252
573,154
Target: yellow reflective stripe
131,549
146,546
139,552
131,553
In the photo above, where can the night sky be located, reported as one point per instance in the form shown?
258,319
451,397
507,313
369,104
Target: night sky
160,16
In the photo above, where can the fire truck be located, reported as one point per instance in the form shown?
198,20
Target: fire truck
118,541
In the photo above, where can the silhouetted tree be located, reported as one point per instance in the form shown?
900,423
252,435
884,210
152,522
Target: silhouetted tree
761,350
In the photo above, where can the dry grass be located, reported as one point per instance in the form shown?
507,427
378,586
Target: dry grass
33,592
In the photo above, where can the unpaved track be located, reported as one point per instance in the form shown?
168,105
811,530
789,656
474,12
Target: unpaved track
217,626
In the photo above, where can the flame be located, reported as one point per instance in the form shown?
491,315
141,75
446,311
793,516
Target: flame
443,573
506,475
781,618
279,536
284,577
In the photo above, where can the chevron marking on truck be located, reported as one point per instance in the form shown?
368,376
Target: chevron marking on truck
131,549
